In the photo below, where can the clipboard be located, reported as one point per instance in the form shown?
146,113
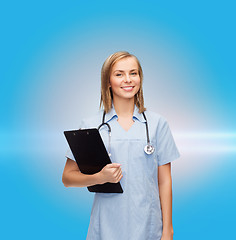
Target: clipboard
91,156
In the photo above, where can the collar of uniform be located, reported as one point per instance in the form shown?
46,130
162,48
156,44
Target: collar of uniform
112,113
138,115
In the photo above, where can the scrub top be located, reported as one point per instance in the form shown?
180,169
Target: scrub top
136,213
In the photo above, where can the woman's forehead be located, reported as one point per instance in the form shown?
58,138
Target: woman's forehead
128,63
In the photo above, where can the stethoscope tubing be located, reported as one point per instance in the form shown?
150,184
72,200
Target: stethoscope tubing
149,149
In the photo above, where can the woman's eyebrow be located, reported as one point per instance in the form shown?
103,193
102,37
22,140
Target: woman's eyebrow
123,71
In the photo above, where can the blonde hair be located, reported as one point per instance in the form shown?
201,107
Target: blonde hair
106,92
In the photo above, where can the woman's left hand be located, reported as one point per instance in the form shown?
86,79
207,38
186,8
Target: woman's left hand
167,235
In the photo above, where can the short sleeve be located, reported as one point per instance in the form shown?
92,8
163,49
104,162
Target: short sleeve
69,154
166,147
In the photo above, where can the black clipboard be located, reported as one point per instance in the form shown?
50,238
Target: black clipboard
91,156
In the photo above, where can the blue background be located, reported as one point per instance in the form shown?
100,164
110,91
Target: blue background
51,56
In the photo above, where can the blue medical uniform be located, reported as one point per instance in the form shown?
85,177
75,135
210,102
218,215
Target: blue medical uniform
136,213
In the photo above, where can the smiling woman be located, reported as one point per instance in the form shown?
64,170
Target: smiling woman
120,70
144,209
125,83
124,75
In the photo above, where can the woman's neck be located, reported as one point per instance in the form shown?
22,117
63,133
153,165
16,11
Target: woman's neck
124,107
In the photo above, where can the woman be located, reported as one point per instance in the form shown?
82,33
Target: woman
144,210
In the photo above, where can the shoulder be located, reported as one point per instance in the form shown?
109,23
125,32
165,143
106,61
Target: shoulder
155,118
158,124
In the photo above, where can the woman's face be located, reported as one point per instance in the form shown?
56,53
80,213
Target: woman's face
124,78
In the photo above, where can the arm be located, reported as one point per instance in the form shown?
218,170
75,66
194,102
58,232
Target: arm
72,177
165,190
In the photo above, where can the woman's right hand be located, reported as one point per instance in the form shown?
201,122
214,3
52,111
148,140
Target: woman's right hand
110,173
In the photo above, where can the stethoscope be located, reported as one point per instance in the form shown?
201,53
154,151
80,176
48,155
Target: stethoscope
148,149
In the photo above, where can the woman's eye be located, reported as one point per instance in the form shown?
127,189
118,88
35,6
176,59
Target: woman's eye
134,73
118,74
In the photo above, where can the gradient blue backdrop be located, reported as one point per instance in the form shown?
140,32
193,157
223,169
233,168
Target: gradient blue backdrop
51,56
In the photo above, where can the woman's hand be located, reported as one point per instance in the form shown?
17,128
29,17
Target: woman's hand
167,235
110,173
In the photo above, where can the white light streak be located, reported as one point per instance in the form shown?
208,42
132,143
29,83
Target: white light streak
206,142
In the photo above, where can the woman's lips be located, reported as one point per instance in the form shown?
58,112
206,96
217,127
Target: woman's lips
128,89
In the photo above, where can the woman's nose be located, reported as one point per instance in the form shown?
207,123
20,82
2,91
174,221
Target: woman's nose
127,78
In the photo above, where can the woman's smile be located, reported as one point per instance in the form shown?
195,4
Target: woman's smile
128,88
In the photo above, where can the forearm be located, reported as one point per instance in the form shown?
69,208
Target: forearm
77,179
165,190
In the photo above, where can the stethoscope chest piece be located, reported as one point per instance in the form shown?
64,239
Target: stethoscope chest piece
149,149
